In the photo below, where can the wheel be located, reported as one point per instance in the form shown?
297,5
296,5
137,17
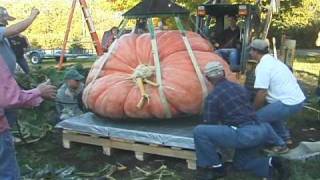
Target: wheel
35,58
58,59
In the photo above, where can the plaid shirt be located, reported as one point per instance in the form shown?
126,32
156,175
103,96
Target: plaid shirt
228,103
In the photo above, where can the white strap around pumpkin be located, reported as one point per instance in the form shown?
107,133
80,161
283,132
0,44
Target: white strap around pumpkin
157,64
193,60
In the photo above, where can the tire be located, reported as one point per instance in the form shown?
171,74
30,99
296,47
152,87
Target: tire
58,59
35,58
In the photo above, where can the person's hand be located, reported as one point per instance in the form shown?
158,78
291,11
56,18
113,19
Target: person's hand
47,91
34,12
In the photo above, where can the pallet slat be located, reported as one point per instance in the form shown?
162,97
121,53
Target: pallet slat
138,148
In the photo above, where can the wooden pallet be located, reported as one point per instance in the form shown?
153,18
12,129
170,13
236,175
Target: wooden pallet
139,149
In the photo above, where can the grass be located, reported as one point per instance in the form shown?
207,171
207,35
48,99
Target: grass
51,62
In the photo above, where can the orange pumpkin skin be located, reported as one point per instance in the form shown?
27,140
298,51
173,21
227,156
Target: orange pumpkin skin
115,95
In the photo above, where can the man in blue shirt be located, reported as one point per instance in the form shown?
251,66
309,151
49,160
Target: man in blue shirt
231,122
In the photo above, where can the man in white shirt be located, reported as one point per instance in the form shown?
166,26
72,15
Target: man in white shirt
279,95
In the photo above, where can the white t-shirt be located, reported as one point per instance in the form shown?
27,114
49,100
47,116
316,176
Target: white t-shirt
276,77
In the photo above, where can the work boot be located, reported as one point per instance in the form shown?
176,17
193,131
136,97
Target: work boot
210,173
281,168
277,149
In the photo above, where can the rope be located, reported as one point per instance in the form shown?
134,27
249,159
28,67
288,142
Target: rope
104,60
156,59
193,60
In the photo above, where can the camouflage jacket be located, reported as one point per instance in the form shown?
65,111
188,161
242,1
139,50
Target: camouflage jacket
67,101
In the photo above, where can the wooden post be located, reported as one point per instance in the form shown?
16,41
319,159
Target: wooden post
92,30
267,25
66,34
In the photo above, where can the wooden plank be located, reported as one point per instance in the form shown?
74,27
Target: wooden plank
139,155
191,164
107,150
142,148
66,143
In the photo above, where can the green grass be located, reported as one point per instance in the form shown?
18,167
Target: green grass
87,63
307,64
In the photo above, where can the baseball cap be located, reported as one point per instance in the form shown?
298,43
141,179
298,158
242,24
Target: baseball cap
5,15
214,69
73,74
259,44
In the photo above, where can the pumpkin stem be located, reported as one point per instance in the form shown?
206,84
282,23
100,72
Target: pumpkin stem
144,95
140,77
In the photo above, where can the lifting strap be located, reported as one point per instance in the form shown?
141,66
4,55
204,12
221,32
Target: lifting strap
157,64
193,60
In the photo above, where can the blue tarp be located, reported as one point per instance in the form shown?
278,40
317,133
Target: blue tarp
175,133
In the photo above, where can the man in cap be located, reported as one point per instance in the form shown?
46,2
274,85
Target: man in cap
6,51
278,96
69,95
231,122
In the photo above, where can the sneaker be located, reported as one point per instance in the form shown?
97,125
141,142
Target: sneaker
210,173
281,168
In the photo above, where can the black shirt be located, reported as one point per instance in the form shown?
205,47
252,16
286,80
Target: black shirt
230,38
18,44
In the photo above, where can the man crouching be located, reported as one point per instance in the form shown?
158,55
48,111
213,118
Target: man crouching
231,122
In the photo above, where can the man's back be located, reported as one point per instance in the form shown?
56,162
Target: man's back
275,76
229,102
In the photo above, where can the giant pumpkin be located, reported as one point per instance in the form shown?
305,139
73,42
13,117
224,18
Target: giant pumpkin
126,85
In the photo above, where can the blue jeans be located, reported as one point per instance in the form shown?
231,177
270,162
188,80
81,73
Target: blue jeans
277,115
232,55
12,116
9,169
246,140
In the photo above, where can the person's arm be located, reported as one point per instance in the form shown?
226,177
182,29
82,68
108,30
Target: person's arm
211,113
22,25
260,98
261,84
12,96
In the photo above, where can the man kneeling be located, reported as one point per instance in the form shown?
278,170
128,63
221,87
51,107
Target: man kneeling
228,105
